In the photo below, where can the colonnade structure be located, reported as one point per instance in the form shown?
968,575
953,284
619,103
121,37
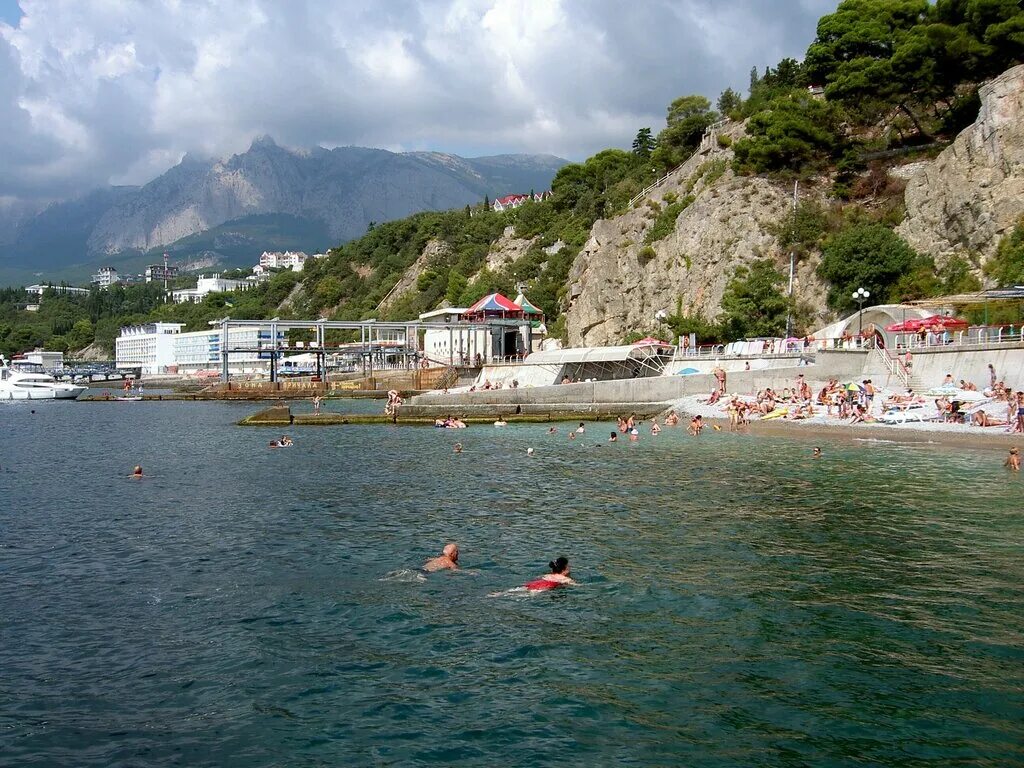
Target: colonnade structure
490,339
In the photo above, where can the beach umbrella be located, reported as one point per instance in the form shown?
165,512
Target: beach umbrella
927,323
852,387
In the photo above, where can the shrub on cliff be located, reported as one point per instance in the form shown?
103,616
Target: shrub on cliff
753,303
794,133
1006,267
869,256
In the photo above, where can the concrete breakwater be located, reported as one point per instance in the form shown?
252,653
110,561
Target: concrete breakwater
247,395
282,416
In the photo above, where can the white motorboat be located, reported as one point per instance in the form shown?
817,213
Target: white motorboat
28,381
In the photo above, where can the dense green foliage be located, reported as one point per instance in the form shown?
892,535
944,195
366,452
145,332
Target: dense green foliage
665,221
794,132
753,303
1006,267
874,56
869,256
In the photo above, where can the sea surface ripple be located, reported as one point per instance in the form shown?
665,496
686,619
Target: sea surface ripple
741,603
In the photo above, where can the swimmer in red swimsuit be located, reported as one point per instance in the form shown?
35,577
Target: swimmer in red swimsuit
559,577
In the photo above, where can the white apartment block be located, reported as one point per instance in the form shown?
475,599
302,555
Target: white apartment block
207,285
159,348
201,350
38,290
106,277
293,260
149,347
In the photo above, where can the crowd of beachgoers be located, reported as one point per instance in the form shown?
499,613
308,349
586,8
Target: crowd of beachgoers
952,402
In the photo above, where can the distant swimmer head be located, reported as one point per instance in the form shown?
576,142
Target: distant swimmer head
451,551
457,448
529,451
817,452
137,472
561,565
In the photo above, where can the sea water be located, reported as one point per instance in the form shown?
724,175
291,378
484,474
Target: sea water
741,604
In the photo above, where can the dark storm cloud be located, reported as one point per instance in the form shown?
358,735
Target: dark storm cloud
93,92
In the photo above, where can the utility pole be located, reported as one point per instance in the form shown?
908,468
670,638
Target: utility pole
792,266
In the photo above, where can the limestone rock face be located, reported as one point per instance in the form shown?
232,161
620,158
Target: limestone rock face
433,250
617,287
506,249
972,194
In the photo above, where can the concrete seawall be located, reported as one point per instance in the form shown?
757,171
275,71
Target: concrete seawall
929,368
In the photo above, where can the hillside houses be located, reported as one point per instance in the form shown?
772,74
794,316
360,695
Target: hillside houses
509,202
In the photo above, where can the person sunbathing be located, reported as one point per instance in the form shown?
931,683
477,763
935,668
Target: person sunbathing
982,419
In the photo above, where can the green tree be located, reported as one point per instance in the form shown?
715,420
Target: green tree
1006,267
688,117
457,283
643,143
81,335
793,133
729,102
753,303
869,256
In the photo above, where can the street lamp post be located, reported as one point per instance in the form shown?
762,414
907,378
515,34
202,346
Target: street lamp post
860,296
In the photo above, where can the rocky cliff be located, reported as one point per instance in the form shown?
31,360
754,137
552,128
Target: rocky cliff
972,194
619,282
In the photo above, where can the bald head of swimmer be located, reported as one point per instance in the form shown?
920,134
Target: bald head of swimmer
451,551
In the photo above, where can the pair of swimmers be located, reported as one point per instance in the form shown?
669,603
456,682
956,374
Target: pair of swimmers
558,575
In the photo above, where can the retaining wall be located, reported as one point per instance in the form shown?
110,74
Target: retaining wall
930,365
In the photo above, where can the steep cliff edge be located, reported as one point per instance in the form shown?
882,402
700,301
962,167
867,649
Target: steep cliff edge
964,201
618,282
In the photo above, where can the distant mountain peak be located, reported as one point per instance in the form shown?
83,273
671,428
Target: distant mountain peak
263,141
287,198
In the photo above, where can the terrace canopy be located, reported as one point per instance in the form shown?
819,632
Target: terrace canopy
603,363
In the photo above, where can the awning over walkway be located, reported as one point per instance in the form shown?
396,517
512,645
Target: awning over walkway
577,355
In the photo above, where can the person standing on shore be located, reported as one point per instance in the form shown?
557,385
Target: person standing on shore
719,373
316,405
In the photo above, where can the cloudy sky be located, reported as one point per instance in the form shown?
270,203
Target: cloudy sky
114,91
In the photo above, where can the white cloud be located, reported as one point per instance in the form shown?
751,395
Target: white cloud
100,91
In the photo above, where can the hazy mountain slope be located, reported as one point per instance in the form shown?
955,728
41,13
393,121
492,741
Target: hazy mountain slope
325,196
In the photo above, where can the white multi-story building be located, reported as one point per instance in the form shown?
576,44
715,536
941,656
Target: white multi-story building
159,348
293,260
160,273
38,290
206,285
149,347
201,350
106,277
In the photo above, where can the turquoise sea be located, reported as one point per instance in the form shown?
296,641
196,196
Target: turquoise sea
741,603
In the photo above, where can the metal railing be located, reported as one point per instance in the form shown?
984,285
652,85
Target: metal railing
704,145
894,365
975,336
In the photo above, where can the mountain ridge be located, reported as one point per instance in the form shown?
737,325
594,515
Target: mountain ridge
339,191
